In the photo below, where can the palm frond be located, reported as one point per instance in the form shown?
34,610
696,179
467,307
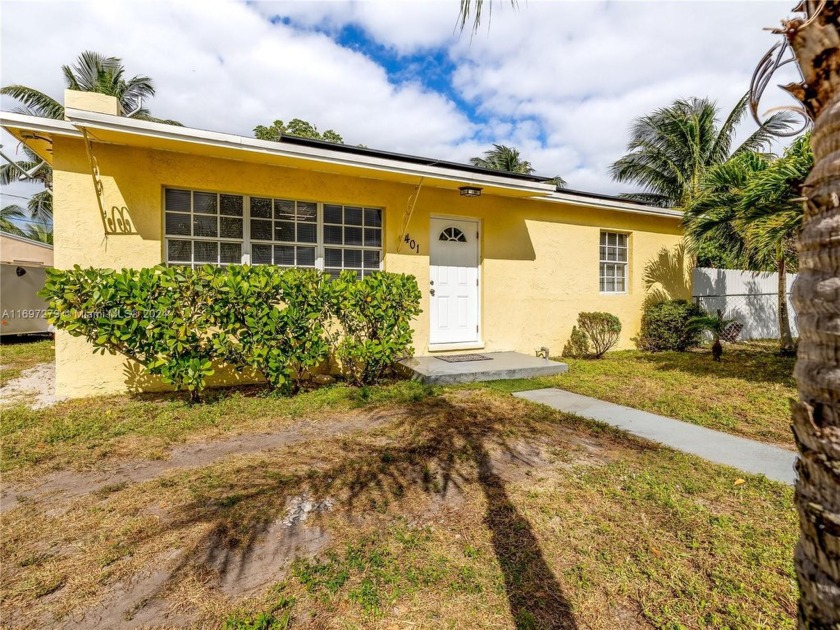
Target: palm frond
40,206
8,215
34,103
41,232
722,147
472,10
503,158
760,139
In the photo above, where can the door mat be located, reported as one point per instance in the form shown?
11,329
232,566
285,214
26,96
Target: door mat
463,358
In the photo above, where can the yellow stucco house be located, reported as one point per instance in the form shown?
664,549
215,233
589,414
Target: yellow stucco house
504,262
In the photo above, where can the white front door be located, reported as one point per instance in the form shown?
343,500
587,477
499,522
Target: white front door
453,281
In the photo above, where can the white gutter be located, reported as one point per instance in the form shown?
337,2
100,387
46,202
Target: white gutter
38,124
608,204
106,122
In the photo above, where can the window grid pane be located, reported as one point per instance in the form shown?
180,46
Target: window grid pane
208,228
352,236
202,227
613,262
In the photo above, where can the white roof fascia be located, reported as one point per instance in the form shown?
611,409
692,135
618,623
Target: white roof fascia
36,123
610,204
106,122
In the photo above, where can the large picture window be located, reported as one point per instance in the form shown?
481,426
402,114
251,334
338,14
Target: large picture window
203,227
613,259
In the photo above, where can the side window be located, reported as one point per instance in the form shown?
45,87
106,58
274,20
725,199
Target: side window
613,262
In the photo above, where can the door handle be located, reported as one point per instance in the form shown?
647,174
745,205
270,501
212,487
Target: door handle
431,291
432,282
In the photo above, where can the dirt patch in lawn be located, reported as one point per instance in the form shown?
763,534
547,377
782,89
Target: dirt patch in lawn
67,485
35,387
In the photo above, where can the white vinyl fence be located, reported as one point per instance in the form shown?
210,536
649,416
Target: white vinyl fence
746,296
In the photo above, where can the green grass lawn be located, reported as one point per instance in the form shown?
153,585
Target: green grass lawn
747,393
457,507
22,353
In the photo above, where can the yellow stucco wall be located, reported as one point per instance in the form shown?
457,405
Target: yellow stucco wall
539,260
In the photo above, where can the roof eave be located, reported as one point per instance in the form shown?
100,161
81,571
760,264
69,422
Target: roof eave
95,121
610,204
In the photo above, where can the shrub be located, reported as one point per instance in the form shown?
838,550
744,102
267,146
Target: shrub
665,326
273,321
578,344
156,316
601,329
375,316
176,321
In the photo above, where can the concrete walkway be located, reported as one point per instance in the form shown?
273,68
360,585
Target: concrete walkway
497,366
722,448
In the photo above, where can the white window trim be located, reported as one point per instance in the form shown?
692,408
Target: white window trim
625,263
247,243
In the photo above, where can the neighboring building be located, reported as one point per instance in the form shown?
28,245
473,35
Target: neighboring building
22,274
507,270
19,250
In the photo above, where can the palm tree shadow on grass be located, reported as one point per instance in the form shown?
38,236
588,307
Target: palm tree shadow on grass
441,444
535,597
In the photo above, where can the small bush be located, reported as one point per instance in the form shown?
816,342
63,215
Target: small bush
375,316
665,326
577,347
601,329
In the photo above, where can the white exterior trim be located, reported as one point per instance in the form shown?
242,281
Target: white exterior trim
80,119
35,123
608,204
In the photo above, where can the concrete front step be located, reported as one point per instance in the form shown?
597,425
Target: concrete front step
501,366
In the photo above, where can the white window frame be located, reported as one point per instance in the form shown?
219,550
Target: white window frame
247,243
622,244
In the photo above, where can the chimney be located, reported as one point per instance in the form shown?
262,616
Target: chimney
92,102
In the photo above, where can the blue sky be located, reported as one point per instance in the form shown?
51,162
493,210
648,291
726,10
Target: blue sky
562,81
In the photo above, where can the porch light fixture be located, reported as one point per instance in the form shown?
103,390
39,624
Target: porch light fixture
470,191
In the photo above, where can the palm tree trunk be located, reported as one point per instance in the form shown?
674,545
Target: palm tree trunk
816,416
785,336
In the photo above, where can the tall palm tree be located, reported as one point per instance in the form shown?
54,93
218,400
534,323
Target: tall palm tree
671,149
712,217
816,415
750,207
508,159
772,213
93,72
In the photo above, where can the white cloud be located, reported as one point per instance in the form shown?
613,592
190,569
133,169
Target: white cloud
561,81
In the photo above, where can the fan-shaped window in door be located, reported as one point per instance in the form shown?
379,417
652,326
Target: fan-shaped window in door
453,235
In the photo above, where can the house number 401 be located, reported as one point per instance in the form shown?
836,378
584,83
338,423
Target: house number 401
412,244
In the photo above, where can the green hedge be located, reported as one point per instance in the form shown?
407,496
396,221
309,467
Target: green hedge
666,326
177,321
